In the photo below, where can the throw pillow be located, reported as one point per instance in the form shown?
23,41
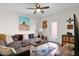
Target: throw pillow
25,36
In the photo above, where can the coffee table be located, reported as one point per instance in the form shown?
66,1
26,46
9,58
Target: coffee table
39,50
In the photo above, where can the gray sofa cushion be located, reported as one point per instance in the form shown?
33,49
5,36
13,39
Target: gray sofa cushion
19,50
25,43
15,45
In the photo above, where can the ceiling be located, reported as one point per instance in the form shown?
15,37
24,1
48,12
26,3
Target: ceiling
22,8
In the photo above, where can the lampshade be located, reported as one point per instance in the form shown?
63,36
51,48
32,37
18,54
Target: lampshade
40,30
2,36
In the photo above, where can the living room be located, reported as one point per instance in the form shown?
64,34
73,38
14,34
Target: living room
12,17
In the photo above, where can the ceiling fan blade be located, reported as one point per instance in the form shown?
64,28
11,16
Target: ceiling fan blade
31,8
42,11
44,7
39,5
34,12
36,5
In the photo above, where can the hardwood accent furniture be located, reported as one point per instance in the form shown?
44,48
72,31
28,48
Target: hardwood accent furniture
67,39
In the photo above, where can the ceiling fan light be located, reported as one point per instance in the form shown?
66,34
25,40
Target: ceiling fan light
38,10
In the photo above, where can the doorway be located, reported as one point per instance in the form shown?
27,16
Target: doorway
54,31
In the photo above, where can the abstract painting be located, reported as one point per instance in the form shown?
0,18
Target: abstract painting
24,23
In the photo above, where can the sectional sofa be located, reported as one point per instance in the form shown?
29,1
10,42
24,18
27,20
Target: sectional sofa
18,44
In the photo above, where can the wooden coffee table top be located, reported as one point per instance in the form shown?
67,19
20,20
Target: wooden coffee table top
37,43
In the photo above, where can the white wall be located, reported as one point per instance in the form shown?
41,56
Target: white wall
9,21
60,18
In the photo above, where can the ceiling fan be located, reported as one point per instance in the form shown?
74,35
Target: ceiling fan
38,8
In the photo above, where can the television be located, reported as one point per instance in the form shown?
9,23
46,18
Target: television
76,33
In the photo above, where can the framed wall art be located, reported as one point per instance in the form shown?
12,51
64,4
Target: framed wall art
24,23
70,26
44,24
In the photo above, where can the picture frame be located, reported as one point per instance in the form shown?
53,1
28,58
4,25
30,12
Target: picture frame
70,26
24,23
44,24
